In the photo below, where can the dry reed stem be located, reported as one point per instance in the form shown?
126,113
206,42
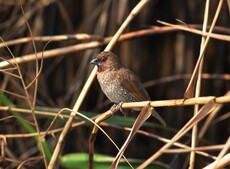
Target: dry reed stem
58,130
190,89
78,37
29,160
228,3
28,111
204,111
22,119
50,53
189,28
165,140
144,32
175,77
204,34
221,118
209,120
52,132
154,30
95,44
189,149
14,94
32,102
158,103
88,83
178,102
224,161
145,113
198,87
222,153
186,148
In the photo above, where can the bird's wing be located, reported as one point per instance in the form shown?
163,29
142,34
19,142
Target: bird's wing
132,83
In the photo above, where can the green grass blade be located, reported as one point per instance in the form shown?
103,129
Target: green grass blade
29,128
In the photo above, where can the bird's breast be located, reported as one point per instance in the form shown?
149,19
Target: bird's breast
112,88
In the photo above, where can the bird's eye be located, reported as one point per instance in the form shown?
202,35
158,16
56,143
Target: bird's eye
104,59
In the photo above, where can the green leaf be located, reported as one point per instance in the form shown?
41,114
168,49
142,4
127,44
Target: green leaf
80,161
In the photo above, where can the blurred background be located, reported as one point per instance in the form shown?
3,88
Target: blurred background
163,60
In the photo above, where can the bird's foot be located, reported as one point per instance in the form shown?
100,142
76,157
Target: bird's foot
113,109
120,108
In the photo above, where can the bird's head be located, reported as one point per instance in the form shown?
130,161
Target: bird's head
106,61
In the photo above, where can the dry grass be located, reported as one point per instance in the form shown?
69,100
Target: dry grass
44,64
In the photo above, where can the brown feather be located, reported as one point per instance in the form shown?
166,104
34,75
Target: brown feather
132,83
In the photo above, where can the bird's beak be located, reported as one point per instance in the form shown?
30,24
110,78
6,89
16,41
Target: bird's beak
95,61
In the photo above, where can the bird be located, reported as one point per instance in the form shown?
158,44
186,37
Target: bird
118,83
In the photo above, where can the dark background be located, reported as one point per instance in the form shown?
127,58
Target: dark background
151,57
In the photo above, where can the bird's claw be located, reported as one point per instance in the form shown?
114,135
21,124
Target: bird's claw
120,108
113,109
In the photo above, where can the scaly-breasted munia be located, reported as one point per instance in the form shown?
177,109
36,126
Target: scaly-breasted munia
118,83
